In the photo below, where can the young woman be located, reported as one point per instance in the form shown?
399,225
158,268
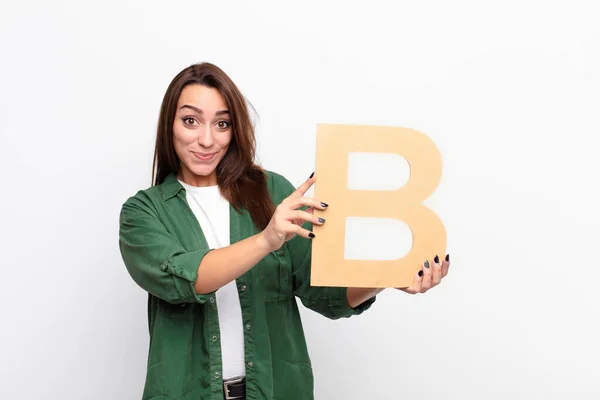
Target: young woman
223,249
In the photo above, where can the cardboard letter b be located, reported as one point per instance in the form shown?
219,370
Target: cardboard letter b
334,143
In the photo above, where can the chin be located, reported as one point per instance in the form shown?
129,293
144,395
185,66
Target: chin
203,171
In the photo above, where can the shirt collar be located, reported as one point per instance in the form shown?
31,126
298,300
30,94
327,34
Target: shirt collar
170,187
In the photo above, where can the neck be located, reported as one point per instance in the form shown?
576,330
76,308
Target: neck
198,180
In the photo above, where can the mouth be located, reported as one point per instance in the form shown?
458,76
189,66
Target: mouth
204,156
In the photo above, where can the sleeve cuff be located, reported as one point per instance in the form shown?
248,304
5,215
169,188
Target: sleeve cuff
184,269
340,307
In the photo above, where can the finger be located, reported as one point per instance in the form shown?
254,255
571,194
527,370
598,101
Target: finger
302,189
445,265
298,230
309,210
436,275
304,201
416,285
299,215
426,281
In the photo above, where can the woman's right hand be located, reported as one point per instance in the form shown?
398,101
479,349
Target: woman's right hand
287,220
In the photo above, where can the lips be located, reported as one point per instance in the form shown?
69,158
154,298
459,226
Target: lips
204,156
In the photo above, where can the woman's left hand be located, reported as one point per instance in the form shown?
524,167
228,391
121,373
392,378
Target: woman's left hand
431,275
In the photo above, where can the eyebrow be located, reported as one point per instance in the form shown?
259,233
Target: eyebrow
199,111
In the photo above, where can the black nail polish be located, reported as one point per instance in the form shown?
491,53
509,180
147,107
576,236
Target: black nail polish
421,273
447,257
311,175
436,259
325,204
311,235
426,263
321,220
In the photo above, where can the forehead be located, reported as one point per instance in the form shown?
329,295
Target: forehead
202,97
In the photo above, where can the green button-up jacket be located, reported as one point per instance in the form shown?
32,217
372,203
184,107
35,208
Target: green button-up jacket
162,245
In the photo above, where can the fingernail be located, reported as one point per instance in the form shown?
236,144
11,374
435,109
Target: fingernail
426,263
421,273
311,235
436,259
447,257
311,175
321,220
325,204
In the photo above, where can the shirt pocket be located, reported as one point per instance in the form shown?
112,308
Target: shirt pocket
275,271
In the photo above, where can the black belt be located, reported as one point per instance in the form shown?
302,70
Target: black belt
234,389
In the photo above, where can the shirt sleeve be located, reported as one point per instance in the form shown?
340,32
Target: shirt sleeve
154,257
331,302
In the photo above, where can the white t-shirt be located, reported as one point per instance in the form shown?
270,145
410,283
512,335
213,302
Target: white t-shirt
212,211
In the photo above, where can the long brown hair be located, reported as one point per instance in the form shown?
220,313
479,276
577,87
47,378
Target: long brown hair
241,181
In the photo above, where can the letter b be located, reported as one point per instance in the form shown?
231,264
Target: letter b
334,143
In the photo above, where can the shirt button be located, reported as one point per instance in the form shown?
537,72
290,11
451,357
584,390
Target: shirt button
217,375
214,338
248,326
212,299
244,287
250,364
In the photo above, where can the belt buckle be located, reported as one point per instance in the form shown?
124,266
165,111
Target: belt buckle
226,387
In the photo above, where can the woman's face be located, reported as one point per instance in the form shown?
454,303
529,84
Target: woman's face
201,133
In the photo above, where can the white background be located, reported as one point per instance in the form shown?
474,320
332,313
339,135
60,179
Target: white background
509,92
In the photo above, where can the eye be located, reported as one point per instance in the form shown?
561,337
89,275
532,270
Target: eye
189,121
223,124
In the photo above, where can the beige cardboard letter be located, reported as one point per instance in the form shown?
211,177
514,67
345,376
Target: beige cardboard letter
334,143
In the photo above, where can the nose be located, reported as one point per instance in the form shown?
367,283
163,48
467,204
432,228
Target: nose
205,137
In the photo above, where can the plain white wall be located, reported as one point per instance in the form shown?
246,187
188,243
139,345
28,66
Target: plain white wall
509,92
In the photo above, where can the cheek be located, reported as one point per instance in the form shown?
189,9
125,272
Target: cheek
181,140
225,139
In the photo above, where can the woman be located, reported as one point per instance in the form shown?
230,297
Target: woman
223,248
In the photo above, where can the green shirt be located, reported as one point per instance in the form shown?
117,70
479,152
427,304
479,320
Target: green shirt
162,244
